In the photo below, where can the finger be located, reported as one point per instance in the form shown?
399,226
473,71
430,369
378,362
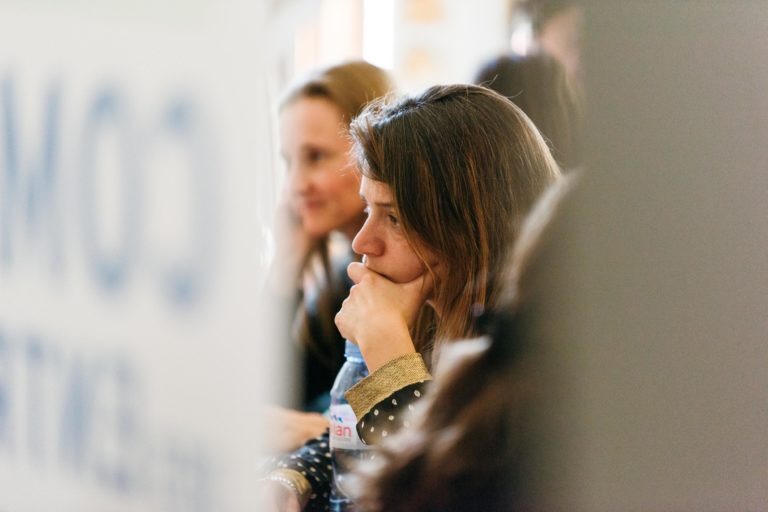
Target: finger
319,424
340,325
356,271
314,422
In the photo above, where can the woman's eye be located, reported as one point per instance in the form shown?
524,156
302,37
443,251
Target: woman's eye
315,156
393,220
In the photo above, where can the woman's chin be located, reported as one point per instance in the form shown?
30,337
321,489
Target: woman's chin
316,229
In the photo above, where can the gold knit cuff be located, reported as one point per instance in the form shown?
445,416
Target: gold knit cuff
294,481
393,376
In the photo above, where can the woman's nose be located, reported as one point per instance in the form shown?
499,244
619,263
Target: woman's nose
366,242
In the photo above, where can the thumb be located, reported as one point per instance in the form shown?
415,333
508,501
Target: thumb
356,271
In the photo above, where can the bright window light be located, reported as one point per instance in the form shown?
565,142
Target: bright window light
521,40
378,32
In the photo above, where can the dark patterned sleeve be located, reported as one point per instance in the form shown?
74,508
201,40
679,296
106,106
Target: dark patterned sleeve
390,415
310,471
383,400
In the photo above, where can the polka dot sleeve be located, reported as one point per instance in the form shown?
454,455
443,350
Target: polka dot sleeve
390,415
313,462
383,400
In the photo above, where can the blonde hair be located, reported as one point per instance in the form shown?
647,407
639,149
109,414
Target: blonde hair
349,85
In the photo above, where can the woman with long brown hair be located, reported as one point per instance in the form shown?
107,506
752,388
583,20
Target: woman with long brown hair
472,443
447,177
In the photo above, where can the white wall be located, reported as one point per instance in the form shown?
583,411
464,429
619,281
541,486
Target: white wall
444,41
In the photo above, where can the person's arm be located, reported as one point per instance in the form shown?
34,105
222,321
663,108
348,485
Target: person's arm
290,429
383,400
281,491
292,245
306,473
378,316
379,313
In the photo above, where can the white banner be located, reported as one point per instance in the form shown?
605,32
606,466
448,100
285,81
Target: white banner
135,191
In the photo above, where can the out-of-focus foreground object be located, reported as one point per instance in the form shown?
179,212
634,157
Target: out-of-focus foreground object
658,316
134,199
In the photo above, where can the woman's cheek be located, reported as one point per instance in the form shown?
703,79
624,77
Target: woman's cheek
408,271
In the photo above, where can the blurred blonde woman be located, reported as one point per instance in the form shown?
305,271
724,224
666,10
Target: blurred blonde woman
320,215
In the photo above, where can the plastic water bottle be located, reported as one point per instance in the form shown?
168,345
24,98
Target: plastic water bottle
346,446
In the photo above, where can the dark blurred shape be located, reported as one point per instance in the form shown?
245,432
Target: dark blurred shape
539,86
558,28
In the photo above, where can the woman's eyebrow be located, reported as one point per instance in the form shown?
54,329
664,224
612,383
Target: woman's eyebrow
380,204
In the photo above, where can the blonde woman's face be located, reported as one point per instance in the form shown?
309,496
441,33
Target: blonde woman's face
322,180
382,241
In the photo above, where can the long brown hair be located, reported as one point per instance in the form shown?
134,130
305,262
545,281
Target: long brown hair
473,438
464,165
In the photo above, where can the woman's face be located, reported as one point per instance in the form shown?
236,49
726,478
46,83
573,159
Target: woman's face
382,241
322,180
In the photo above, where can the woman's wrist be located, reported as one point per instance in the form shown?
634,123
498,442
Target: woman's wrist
293,482
397,342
